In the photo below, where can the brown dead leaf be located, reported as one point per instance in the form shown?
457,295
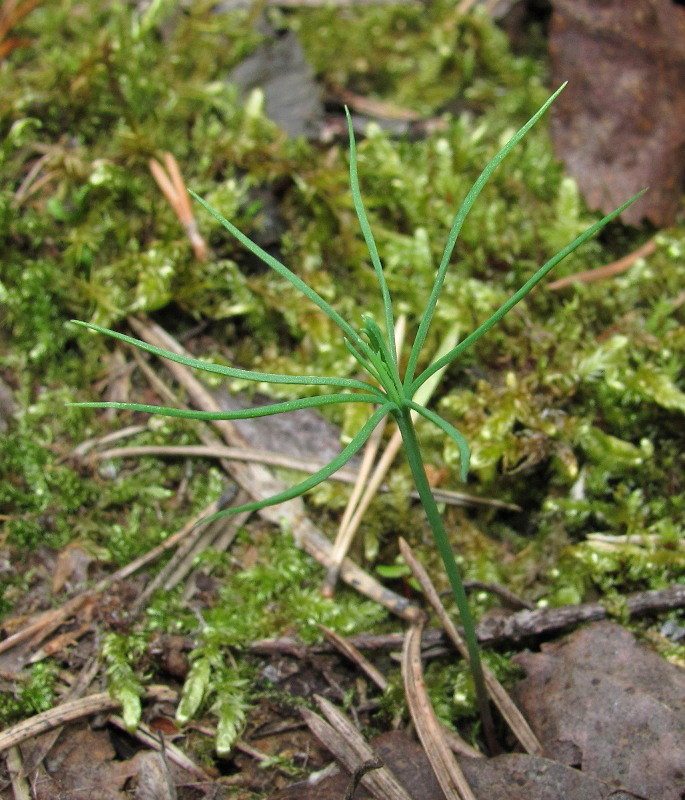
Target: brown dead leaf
510,777
155,781
80,766
620,124
600,701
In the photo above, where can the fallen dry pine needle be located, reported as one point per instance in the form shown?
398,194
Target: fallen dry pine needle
448,772
173,188
608,270
346,743
154,741
74,709
271,458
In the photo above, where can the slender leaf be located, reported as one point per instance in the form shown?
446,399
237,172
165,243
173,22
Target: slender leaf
464,209
370,241
364,363
247,413
456,436
286,273
231,372
519,295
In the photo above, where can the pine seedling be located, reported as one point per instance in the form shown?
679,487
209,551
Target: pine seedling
387,390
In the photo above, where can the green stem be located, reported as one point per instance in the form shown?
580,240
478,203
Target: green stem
413,451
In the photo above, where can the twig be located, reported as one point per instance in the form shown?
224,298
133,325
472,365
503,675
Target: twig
10,14
375,108
45,623
84,448
500,630
504,703
47,741
358,774
608,270
450,777
198,539
544,621
67,712
344,646
48,621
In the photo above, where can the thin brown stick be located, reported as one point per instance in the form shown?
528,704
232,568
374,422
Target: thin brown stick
504,703
543,621
270,458
85,447
250,454
608,270
11,13
44,623
448,772
510,629
47,741
48,621
199,539
68,712
358,774
375,108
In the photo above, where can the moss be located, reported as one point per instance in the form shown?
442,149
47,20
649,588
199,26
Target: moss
34,695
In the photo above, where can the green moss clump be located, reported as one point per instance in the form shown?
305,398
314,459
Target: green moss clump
32,696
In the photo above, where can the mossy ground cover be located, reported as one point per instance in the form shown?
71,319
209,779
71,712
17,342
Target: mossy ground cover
573,406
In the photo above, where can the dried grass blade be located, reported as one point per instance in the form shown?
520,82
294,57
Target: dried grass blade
74,709
345,647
